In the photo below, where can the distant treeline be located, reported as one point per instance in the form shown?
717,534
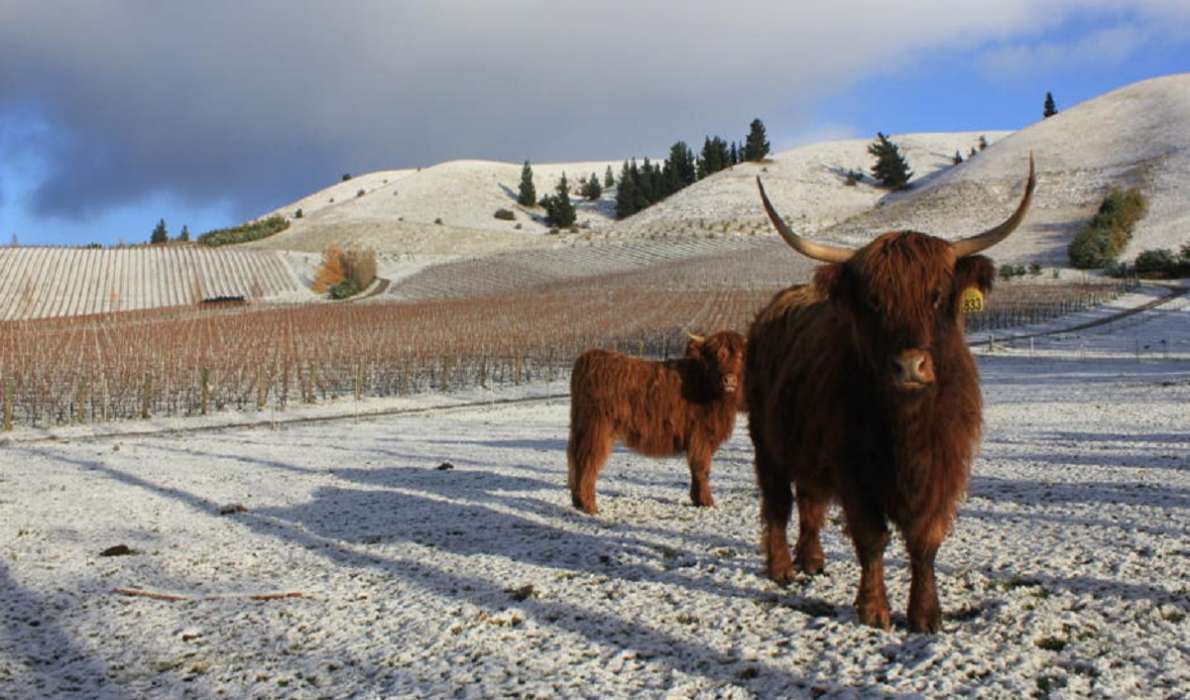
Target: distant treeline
245,232
646,183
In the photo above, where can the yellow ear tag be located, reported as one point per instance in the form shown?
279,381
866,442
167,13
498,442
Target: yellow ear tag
972,301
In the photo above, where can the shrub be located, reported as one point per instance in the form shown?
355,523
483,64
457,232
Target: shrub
1163,263
1034,269
346,288
438,221
354,267
360,193
505,215
247,232
854,177
297,214
346,177
1109,232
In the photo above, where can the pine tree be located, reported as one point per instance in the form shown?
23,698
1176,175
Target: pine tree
983,142
681,161
160,234
891,170
558,209
591,188
973,152
1050,108
527,196
734,154
625,194
185,234
756,146
609,180
958,158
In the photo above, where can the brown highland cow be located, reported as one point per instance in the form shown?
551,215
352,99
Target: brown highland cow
862,391
660,409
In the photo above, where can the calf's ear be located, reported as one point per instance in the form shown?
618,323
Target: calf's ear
974,271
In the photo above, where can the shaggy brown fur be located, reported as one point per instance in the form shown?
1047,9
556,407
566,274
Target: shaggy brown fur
659,409
862,391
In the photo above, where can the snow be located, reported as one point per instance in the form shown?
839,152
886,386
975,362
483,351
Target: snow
1065,573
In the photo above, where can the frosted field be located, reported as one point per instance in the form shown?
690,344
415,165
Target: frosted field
1066,573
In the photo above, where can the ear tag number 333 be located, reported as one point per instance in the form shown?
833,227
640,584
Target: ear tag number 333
972,301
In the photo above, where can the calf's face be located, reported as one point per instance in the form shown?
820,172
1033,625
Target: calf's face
722,358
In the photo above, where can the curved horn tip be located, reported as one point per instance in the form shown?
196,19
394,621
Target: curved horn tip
695,337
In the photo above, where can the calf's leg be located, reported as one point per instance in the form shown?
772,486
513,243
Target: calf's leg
700,477
586,453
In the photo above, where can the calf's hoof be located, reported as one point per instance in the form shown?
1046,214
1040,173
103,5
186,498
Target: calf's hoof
585,506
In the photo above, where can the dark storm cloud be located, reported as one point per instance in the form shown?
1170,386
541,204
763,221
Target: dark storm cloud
256,103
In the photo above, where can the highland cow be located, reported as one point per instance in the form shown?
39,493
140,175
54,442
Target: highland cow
659,409
862,391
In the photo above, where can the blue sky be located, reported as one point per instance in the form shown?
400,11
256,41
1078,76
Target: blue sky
209,114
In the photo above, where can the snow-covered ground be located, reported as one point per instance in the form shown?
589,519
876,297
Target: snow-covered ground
1066,573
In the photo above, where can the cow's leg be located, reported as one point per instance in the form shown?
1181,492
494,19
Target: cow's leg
776,505
811,514
587,452
699,460
925,614
869,534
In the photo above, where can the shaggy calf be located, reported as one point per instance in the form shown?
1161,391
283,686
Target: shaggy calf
660,409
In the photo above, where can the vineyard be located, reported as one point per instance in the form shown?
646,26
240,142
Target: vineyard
191,361
57,282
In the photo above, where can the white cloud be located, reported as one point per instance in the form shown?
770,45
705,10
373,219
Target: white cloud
272,97
1105,47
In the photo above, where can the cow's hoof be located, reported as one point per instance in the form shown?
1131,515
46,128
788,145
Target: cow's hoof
875,616
782,574
703,501
925,622
810,564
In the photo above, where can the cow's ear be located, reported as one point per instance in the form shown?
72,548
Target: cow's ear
974,271
829,280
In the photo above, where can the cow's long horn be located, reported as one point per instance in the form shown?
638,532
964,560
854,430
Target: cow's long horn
818,251
696,338
989,238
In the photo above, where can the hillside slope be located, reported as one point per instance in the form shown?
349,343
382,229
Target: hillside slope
1138,135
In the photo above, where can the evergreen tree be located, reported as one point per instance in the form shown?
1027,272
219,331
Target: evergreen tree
647,184
958,158
733,154
756,146
681,161
558,209
983,142
185,234
640,198
1050,108
972,153
625,194
715,156
609,180
891,170
527,195
160,234
591,188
